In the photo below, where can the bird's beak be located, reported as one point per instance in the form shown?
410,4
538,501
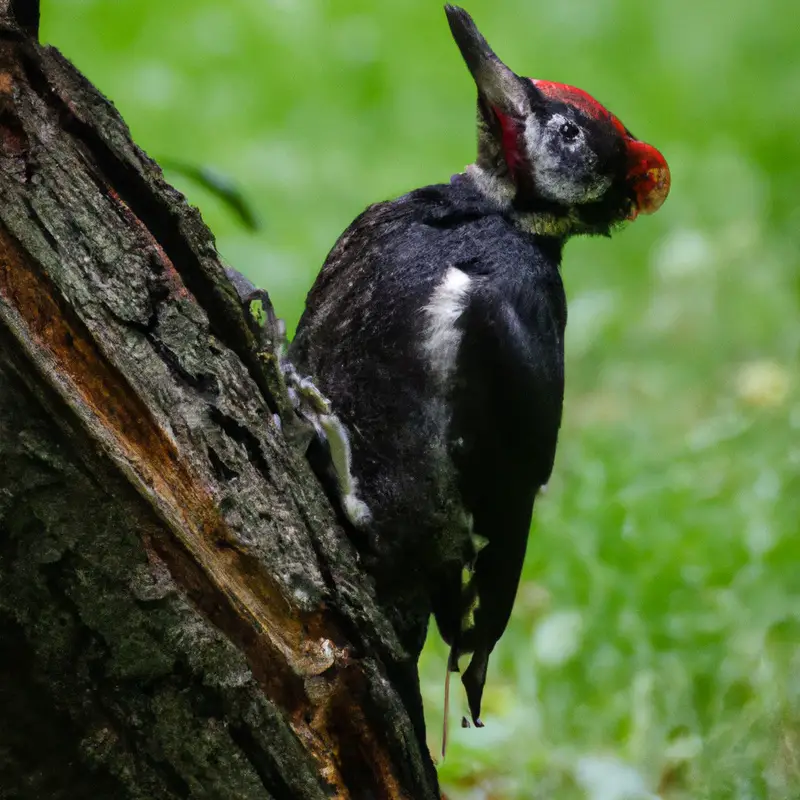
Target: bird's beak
497,84
648,177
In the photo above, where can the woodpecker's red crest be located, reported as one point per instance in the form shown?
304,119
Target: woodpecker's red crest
561,151
647,170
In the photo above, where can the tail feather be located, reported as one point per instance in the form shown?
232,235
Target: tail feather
474,679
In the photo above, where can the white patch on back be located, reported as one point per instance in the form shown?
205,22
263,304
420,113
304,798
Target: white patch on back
446,305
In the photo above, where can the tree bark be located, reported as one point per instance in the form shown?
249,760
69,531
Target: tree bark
181,615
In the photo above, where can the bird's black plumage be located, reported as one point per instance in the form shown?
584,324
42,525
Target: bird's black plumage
436,331
434,446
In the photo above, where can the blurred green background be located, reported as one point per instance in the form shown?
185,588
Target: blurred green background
653,650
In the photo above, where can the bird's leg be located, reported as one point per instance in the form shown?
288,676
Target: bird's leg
314,408
308,413
269,332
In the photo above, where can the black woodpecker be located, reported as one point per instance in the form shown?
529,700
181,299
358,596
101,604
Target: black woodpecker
433,342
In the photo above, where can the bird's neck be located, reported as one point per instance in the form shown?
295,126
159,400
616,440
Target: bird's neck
494,183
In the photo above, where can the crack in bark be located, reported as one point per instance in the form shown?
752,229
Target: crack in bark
244,437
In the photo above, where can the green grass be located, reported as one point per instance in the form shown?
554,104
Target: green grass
654,647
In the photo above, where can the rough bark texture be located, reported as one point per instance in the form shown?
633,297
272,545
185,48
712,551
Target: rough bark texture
180,614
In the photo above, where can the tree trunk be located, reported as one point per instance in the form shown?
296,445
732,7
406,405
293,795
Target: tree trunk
181,615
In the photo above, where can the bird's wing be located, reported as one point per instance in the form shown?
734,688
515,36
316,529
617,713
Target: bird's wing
507,411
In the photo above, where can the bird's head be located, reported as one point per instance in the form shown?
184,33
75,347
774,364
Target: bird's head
552,152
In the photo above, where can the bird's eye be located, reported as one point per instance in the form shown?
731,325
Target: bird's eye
569,131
